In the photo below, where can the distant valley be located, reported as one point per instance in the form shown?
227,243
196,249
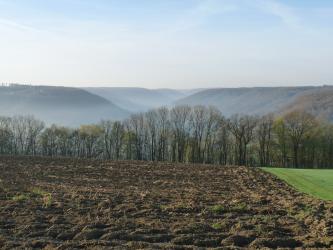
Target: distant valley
75,106
140,99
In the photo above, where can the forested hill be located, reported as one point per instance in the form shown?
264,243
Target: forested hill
60,105
318,103
75,106
262,100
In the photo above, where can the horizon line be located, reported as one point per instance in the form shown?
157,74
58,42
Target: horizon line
7,84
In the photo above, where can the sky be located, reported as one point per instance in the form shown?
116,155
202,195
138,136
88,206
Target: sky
166,43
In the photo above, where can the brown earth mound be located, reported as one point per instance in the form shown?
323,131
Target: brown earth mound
69,204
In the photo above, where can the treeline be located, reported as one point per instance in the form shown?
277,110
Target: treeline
181,134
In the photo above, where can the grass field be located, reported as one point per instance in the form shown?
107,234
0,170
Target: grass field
316,182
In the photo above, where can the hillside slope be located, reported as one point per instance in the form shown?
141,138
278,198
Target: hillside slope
256,100
318,103
61,105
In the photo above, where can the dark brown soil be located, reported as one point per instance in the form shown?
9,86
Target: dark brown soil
70,204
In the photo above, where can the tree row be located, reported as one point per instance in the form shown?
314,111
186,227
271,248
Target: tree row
180,134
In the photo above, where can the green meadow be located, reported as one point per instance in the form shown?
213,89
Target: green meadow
315,182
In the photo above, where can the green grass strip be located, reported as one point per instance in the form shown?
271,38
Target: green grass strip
315,182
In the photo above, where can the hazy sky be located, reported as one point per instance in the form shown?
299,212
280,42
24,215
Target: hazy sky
166,43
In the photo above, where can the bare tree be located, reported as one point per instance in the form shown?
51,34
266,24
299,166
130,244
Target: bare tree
151,119
199,119
136,124
179,119
242,128
90,136
264,135
118,132
223,142
214,121
298,125
163,127
34,127
107,137
6,135
26,129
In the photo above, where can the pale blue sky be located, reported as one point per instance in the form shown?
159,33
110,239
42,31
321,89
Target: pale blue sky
169,43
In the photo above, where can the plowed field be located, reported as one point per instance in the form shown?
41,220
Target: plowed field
68,204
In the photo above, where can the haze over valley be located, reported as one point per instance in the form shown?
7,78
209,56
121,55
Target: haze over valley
75,106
